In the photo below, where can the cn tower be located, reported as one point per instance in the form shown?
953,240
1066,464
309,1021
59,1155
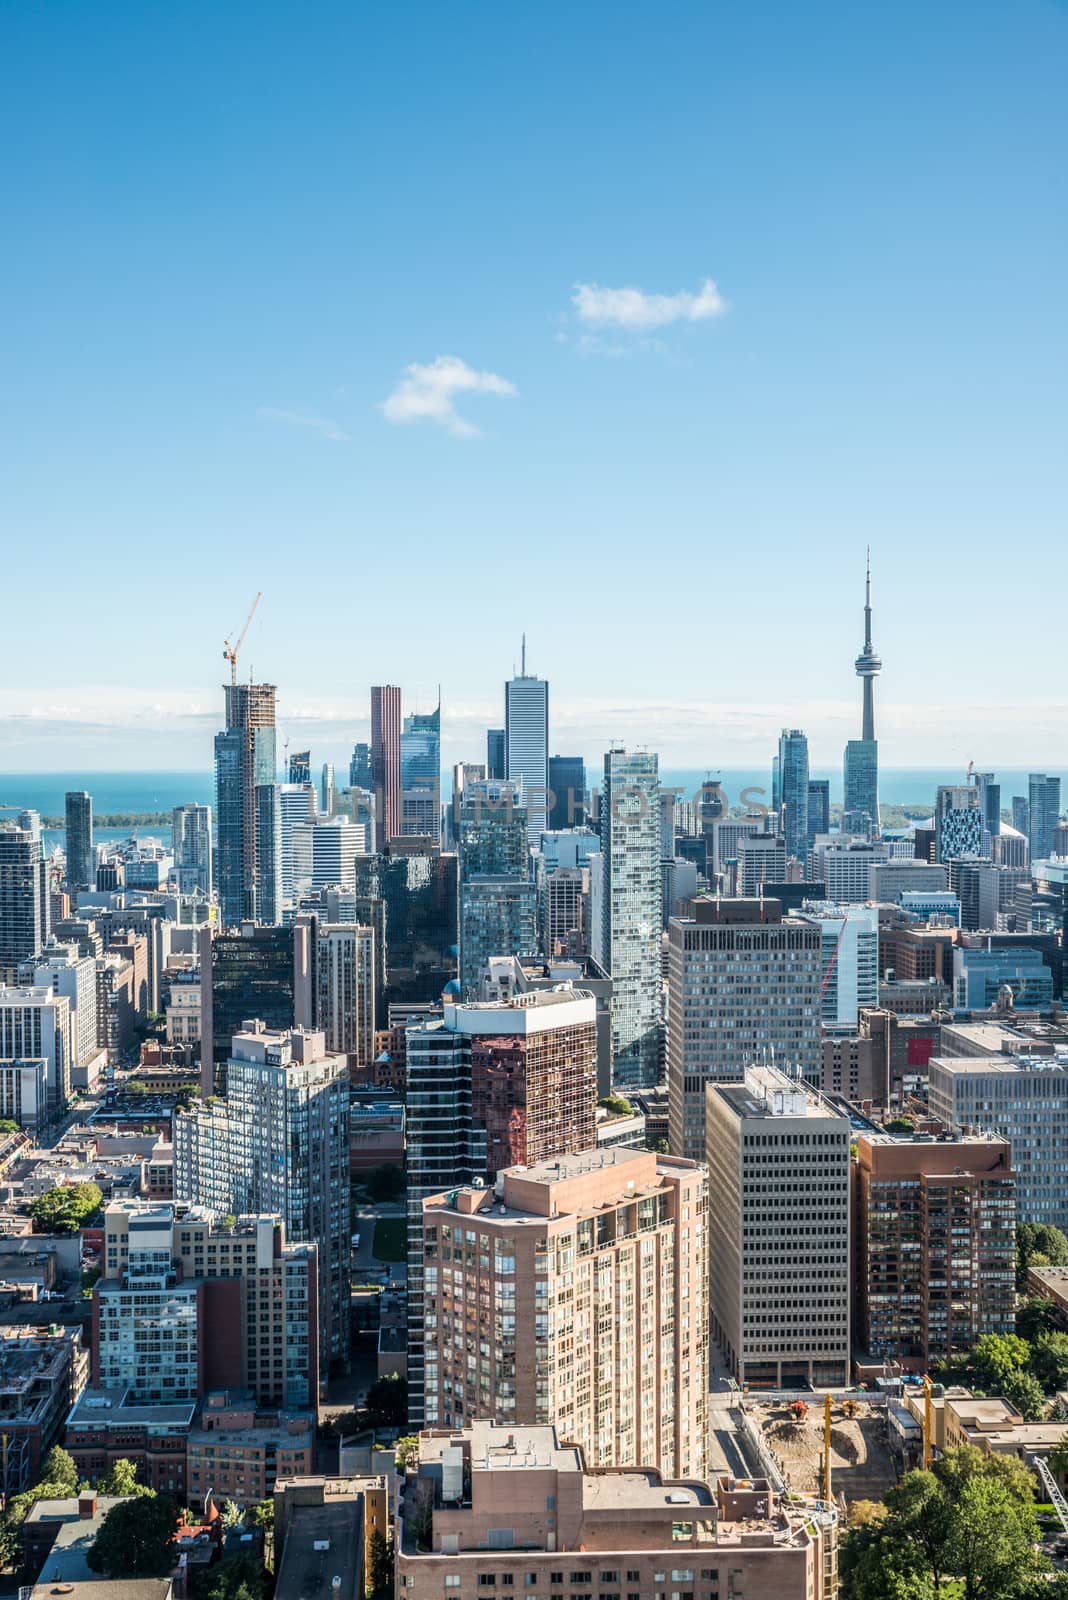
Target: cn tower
868,664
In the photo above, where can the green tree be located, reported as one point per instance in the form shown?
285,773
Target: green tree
1049,1360
657,1146
261,1515
136,1539
387,1402
59,1472
616,1103
381,1584
1026,1394
1038,1244
385,1182
121,1479
991,1541
65,1208
1034,1316
1057,1461
7,1126
997,1355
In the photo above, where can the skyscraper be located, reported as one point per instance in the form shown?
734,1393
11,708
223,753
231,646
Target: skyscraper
191,848
793,779
819,808
1043,809
326,789
244,761
567,784
862,755
526,736
360,767
24,903
631,909
386,761
249,971
80,874
496,760
958,821
420,756
299,767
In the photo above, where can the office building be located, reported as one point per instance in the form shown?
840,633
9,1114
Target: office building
249,971
727,835
298,809
420,755
278,1142
631,911
1043,813
611,1532
191,847
819,807
567,785
850,954
190,1301
1021,815
35,1025
980,976
846,870
564,912
989,806
958,821
245,756
761,859
24,898
327,789
778,1164
743,988
79,839
935,1229
324,854
977,885
496,753
526,742
414,888
938,909
298,767
889,880
793,780
539,1268
360,768
386,761
269,894
1019,1094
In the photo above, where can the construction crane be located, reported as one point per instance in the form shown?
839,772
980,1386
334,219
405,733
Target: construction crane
926,1423
231,652
1051,1487
827,1448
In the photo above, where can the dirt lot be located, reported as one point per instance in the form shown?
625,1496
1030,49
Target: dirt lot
861,1466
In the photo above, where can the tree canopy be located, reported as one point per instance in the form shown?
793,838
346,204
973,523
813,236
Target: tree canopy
385,1182
136,1539
121,1479
1038,1244
970,1518
65,1208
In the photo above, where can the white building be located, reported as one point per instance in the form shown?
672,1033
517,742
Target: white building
183,1014
35,1023
526,746
850,936
298,806
846,872
779,1168
761,859
61,969
325,851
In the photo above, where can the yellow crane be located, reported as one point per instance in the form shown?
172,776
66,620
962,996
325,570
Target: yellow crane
827,1448
230,652
926,1423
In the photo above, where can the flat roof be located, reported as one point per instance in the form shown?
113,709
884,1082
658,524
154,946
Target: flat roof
641,1490
973,1066
321,1543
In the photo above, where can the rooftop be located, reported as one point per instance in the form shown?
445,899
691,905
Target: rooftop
322,1543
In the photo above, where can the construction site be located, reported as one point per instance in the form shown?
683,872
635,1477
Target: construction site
795,1434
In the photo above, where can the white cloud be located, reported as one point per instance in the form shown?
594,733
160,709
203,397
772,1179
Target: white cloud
429,392
296,419
638,311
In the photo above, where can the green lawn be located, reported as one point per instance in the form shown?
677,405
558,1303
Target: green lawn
391,1239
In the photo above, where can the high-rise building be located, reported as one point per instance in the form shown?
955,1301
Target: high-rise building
498,917
567,785
187,1302
324,853
360,768
244,761
1021,814
62,969
778,1164
1043,812
496,753
793,779
850,956
743,988
278,1142
958,821
420,755
79,839
977,885
249,971
269,877
726,838
989,806
935,1228
297,808
862,755
299,767
761,860
526,741
344,956
819,807
35,1025
327,789
631,908
416,887
24,900
191,846
386,761
544,1267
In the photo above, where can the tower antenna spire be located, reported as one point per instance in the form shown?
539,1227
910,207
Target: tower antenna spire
523,668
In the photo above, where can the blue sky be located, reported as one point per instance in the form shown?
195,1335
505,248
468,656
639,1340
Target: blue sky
239,238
